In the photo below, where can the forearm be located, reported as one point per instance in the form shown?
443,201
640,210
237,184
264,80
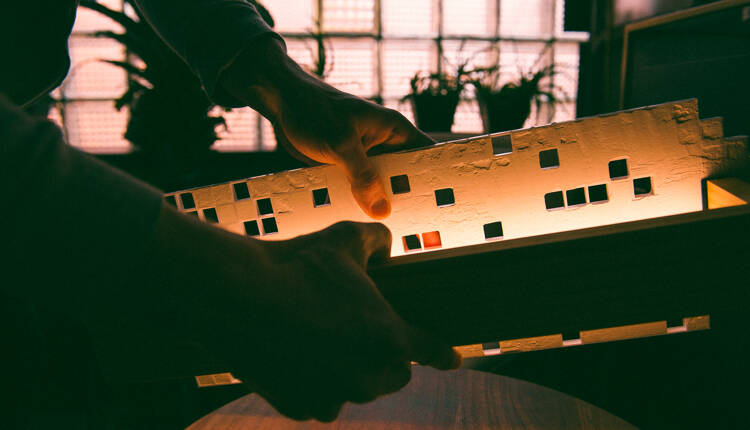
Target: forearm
207,34
79,238
270,81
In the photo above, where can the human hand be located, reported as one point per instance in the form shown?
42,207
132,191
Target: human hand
335,338
299,321
320,123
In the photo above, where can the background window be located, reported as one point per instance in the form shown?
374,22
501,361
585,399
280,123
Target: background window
374,47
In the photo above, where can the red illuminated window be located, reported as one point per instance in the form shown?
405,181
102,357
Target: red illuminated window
431,240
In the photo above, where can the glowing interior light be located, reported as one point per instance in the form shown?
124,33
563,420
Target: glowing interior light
613,168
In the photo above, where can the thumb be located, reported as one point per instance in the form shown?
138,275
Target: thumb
367,185
428,350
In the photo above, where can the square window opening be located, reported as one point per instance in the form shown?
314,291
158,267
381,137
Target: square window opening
321,197
502,145
251,228
642,186
554,200
493,230
187,201
489,346
269,225
400,184
598,193
432,240
549,159
576,196
444,197
241,192
412,243
265,207
210,215
618,169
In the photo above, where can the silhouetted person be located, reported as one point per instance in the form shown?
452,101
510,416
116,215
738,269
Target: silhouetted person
299,321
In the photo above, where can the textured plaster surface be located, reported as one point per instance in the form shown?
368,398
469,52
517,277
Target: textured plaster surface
668,143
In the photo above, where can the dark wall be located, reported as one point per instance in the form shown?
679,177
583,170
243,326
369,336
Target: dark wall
601,57
706,56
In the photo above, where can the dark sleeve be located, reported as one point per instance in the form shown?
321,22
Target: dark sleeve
77,233
207,34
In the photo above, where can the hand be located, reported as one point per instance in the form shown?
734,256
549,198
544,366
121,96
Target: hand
299,321
320,123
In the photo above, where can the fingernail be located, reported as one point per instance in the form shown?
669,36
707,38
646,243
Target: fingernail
380,209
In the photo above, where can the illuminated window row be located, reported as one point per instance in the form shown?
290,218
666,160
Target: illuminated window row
596,194
431,240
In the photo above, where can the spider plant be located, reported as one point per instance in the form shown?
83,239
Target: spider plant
506,107
434,98
170,114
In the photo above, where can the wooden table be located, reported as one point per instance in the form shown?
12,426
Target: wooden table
463,399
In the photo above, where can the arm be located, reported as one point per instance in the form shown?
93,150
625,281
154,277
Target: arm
242,62
320,122
299,321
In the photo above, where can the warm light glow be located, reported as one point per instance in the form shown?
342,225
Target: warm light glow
610,169
586,337
727,192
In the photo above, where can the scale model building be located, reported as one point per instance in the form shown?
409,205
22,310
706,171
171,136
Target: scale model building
625,166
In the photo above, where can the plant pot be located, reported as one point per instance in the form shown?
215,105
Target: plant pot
434,112
501,111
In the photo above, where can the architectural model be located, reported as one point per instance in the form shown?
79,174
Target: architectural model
630,165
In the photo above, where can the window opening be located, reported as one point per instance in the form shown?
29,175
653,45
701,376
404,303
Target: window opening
187,201
642,186
265,207
598,193
210,215
554,200
251,228
493,230
576,196
502,145
618,169
432,240
269,225
241,192
444,197
321,197
400,184
549,159
412,243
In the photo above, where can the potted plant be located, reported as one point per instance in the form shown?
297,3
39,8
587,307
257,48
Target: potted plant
506,107
434,98
170,114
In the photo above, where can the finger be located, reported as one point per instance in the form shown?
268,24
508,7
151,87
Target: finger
397,377
366,184
403,136
325,412
287,145
295,410
369,386
363,241
427,350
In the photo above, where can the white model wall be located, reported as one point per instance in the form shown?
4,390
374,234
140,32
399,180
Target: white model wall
667,143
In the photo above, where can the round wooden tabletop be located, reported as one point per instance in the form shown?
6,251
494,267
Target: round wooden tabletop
462,399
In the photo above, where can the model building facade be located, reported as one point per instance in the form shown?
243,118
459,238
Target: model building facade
620,167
